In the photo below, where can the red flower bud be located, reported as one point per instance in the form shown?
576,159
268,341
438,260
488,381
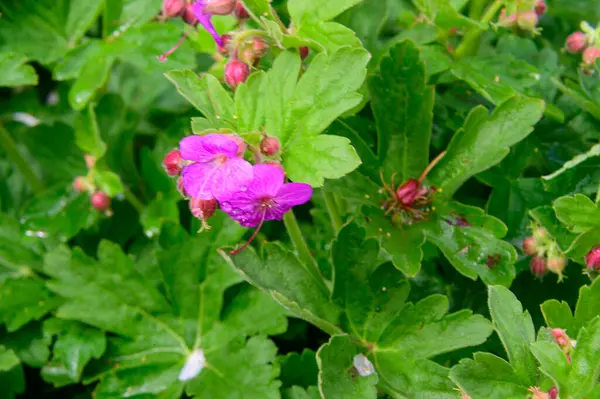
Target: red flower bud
304,52
189,16
270,146
530,246
224,49
553,393
592,259
408,192
561,337
540,7
236,72
538,266
240,11
507,21
219,7
173,163
203,209
100,200
527,20
173,8
590,55
80,184
576,42
557,265
259,47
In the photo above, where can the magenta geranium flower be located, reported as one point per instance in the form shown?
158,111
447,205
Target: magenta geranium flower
265,197
204,17
217,168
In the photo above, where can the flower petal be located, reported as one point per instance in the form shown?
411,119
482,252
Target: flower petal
233,175
205,148
267,181
242,207
293,194
204,19
198,180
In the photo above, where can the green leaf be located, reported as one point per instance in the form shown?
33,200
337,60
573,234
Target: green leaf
575,172
471,241
22,301
497,78
280,273
331,35
300,393
558,315
488,376
311,160
109,182
299,369
250,108
30,345
516,331
17,259
12,379
336,375
553,363
585,364
87,134
402,104
587,306
93,75
314,9
15,71
546,217
578,213
44,30
485,140
75,346
445,15
157,213
8,359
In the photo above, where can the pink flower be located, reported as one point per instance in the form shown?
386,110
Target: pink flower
202,13
217,168
266,197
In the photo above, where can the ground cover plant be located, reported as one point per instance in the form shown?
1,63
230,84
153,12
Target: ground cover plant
299,199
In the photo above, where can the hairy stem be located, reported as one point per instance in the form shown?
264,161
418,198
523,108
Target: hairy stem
332,209
12,151
471,40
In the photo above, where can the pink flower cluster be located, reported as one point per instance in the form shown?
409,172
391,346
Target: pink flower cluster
213,171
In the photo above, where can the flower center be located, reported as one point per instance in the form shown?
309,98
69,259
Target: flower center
220,159
266,203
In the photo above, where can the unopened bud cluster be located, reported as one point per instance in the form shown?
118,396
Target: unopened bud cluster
86,184
587,43
544,252
525,17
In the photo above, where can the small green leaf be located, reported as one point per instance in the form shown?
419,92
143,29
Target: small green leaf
299,369
338,378
553,363
579,213
585,364
516,331
250,108
575,172
93,75
587,306
87,134
315,9
485,140
488,376
402,104
109,182
12,378
445,15
158,212
300,393
15,71
331,35
558,315
8,359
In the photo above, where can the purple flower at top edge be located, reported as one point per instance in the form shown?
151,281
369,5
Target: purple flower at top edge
204,18
217,168
265,197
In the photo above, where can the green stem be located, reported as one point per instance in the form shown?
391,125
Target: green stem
134,201
476,8
332,209
10,147
471,40
293,229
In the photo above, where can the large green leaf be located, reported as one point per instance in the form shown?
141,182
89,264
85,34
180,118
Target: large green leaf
15,72
402,104
585,364
314,9
485,140
578,213
516,331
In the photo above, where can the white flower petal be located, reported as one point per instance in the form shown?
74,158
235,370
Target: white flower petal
364,367
193,365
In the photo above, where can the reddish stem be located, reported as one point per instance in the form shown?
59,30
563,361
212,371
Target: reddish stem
262,219
430,166
163,58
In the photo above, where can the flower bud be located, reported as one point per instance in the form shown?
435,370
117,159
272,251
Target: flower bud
507,21
527,20
553,393
224,49
530,246
80,184
240,11
203,210
538,266
407,192
540,7
561,337
90,160
576,42
219,7
173,163
270,146
259,47
173,8
536,393
100,200
592,259
557,264
240,142
590,55
236,72
304,52
189,16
